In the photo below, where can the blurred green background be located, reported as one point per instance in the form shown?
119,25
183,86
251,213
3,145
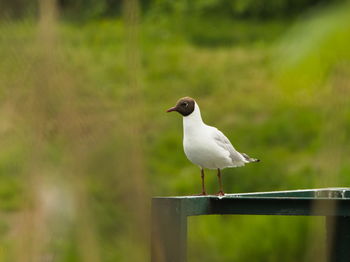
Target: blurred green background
85,141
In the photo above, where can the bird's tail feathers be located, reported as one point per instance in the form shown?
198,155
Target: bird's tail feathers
249,159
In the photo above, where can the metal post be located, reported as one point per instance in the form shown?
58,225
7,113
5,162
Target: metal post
338,238
169,231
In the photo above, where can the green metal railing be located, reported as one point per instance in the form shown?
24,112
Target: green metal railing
169,216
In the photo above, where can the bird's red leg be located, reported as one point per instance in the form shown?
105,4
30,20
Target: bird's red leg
221,192
203,186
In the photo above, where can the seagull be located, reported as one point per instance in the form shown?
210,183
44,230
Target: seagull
206,146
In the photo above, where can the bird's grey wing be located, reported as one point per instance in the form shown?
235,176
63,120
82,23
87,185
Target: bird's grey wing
223,142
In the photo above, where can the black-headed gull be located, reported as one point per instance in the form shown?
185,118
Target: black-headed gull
206,146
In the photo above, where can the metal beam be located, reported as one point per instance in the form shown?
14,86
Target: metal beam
169,216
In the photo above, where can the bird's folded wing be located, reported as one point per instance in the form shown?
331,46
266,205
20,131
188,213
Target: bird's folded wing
224,143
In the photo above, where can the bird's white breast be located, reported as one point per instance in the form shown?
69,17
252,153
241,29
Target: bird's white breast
199,145
200,151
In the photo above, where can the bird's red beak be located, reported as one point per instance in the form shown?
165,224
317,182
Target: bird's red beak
171,109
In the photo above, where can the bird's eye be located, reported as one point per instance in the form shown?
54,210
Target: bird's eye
185,104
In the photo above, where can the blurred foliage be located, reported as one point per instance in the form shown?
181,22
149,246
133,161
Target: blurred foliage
85,140
204,8
237,8
17,8
330,29
87,9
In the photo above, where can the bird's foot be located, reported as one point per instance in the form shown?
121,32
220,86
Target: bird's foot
220,193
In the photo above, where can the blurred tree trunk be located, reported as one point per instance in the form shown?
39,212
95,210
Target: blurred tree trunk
133,118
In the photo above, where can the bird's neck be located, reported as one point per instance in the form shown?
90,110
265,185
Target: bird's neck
193,121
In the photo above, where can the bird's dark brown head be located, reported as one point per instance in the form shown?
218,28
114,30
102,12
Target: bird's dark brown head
185,106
